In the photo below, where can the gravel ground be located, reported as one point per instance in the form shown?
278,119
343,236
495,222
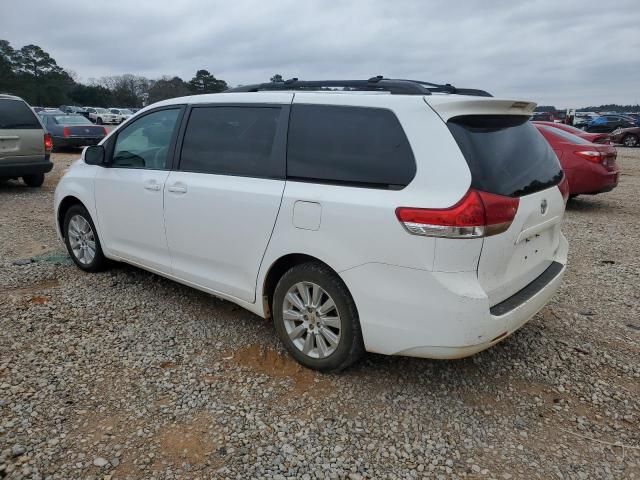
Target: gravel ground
124,374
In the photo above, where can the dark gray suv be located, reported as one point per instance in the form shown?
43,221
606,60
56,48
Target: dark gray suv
25,147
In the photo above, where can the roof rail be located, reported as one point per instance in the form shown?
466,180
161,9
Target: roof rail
373,84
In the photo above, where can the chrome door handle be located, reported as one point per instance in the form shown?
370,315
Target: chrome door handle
152,186
177,188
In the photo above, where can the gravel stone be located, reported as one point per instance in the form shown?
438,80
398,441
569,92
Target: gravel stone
172,383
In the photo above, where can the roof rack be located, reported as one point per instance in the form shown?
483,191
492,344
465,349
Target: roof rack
374,84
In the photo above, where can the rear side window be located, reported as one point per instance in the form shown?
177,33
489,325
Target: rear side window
233,141
505,153
565,136
348,145
15,114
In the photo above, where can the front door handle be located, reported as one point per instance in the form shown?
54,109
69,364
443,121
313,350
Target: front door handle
153,186
178,188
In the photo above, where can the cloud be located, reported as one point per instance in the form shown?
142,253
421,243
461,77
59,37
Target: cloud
569,53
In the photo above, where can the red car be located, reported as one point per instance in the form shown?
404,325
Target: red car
589,137
590,168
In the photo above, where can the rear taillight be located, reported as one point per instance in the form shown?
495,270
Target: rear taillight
104,129
65,132
563,186
478,214
48,143
591,155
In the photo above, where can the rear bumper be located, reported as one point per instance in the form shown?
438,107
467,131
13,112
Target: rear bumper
441,315
75,141
592,179
22,168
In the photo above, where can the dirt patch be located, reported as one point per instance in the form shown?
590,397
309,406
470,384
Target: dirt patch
276,365
38,300
31,289
194,442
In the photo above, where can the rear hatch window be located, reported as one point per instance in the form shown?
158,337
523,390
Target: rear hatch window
16,115
505,153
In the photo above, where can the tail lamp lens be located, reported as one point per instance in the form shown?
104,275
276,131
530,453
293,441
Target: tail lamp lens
478,214
48,143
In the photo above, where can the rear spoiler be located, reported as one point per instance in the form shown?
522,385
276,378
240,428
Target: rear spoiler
448,107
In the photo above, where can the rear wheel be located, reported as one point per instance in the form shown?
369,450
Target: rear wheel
630,140
99,121
81,239
316,318
33,181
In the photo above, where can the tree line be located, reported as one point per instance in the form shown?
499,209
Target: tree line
31,73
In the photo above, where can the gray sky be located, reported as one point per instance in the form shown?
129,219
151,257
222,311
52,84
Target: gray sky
562,52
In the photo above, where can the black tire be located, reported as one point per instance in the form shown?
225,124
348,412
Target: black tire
631,140
99,121
350,345
34,181
99,261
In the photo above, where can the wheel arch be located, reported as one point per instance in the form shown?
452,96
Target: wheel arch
65,204
278,268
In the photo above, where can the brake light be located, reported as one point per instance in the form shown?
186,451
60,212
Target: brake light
478,214
563,186
105,131
48,143
591,155
65,132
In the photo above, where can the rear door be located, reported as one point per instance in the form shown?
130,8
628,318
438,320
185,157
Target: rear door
21,134
507,156
222,201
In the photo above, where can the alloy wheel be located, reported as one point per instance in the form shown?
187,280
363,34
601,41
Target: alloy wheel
311,319
82,239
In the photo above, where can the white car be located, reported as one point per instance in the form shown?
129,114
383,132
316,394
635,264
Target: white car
394,216
101,116
122,113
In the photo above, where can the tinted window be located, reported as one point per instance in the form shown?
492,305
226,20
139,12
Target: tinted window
565,136
505,153
232,141
145,143
348,145
15,114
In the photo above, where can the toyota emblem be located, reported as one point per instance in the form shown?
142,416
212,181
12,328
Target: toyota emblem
543,206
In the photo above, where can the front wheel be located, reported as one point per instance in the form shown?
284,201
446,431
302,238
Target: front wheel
99,121
630,141
81,239
316,318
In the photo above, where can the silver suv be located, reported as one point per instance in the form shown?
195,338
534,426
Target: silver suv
25,147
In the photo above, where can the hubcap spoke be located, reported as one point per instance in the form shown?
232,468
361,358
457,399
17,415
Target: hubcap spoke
331,337
295,300
297,332
303,290
331,321
326,307
308,344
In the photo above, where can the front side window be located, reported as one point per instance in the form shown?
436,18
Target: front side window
145,142
232,141
355,146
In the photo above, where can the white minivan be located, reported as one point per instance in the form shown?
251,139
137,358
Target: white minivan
392,216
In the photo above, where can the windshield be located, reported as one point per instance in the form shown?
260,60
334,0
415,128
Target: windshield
126,112
101,110
71,120
505,154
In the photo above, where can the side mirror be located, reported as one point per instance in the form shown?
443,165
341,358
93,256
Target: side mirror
94,155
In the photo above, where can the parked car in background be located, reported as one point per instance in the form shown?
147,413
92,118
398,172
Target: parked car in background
71,109
609,123
24,145
37,109
122,113
582,119
271,200
101,116
590,168
542,117
629,137
590,137
72,130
